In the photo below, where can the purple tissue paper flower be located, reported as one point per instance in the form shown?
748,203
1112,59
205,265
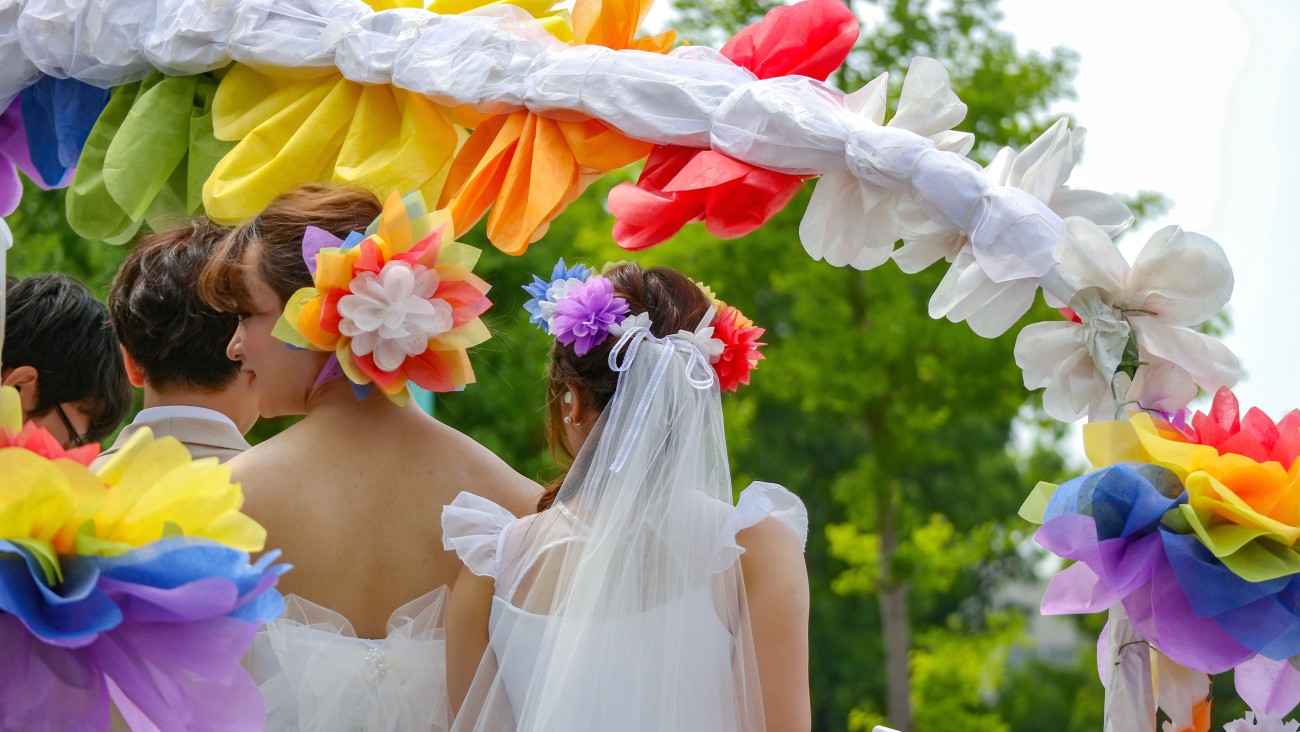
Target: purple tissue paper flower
584,317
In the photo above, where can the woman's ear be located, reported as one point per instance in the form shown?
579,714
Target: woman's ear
575,412
24,379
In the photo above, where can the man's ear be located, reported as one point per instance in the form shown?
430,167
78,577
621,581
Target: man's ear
24,379
133,372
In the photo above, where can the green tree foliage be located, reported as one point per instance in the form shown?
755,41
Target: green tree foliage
43,242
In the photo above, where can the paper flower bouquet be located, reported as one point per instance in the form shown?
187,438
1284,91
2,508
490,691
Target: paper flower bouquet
131,583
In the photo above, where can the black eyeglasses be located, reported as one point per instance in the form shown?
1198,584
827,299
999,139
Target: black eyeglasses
76,437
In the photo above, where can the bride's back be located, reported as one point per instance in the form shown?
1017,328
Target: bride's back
353,496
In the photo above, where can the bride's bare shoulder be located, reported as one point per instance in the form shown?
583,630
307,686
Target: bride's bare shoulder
487,475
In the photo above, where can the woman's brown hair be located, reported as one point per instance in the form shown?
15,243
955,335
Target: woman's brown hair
673,302
338,209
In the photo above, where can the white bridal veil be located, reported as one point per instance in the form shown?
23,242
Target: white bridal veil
623,606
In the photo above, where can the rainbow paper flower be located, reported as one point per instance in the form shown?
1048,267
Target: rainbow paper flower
1194,531
132,583
397,304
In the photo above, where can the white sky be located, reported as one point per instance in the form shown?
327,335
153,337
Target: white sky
1197,99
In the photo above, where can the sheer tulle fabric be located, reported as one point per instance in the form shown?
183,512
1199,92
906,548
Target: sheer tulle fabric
623,606
316,674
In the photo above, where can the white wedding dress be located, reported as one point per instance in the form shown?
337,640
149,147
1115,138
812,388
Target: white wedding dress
623,670
316,675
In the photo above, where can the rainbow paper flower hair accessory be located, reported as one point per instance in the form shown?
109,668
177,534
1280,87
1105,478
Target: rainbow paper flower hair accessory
581,309
132,582
397,304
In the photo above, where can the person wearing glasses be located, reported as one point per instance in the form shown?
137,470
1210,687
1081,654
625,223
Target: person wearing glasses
174,346
61,355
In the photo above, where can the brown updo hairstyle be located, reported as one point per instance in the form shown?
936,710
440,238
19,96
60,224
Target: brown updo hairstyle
338,209
673,302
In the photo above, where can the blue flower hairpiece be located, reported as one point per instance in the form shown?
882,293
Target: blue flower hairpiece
546,293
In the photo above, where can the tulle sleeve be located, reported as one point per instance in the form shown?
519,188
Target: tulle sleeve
757,502
472,526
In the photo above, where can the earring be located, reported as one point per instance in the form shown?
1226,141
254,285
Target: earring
568,419
568,397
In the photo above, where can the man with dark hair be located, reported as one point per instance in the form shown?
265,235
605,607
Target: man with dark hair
62,357
174,346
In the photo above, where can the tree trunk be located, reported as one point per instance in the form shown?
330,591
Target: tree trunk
893,617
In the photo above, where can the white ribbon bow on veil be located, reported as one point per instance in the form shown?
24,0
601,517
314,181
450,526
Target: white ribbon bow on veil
699,346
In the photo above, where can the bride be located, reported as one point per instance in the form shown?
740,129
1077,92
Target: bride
639,598
352,492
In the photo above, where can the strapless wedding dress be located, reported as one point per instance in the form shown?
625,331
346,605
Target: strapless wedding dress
316,675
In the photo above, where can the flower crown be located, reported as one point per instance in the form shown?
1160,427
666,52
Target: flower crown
580,309
397,304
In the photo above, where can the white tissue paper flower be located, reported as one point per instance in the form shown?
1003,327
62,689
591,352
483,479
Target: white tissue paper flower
702,337
1178,692
392,314
1179,279
1264,723
966,292
640,320
855,223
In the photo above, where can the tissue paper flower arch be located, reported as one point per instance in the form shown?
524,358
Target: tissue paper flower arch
338,85
132,582
398,304
581,310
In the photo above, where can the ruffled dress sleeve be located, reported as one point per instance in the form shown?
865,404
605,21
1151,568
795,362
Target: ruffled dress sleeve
756,503
473,527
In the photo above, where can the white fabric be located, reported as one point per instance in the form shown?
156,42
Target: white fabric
317,676
622,606
172,411
16,70
967,292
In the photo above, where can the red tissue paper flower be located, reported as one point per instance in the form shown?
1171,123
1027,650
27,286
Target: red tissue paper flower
1254,435
680,185
41,442
740,343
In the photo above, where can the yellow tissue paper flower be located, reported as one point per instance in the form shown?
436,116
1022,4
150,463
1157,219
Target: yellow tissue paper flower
294,128
154,489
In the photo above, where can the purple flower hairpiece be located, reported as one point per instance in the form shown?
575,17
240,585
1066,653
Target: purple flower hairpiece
584,316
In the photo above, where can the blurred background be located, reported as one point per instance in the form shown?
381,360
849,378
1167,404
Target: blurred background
913,442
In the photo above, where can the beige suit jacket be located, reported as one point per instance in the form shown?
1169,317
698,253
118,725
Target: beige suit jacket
202,437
